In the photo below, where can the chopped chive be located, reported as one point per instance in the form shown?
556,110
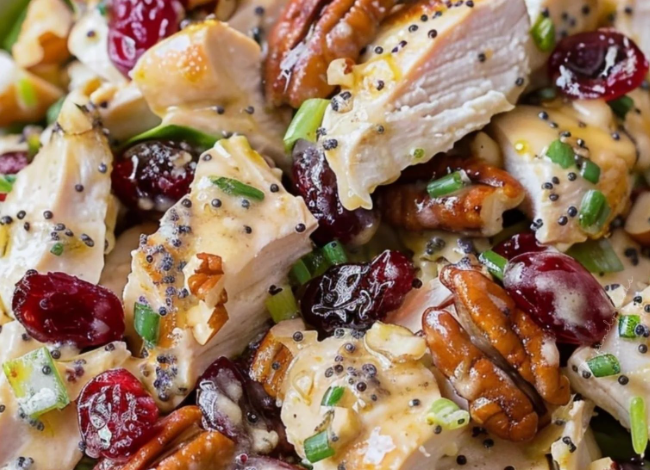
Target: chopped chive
26,93
621,106
299,273
594,211
317,263
447,414
638,425
282,305
305,123
335,253
237,188
7,183
561,153
57,249
627,325
590,171
174,133
604,365
317,447
447,184
332,396
495,263
597,256
146,323
543,33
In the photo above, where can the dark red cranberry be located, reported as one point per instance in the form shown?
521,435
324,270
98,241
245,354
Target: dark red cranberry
357,295
10,164
598,64
116,415
136,25
262,463
57,307
560,295
315,181
162,175
517,244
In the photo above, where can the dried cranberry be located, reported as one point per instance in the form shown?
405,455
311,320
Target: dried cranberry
357,295
244,462
116,415
154,175
135,25
316,182
57,307
560,295
10,164
597,64
517,244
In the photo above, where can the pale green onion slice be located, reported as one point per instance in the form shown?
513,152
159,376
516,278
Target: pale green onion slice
638,425
597,256
495,263
447,414
305,123
317,447
282,305
604,365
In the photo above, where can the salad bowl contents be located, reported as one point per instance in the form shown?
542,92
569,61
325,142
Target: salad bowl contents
335,235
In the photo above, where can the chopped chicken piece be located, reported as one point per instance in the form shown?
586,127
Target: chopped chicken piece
13,143
432,294
215,72
637,124
59,204
380,420
555,193
420,90
44,34
243,242
631,18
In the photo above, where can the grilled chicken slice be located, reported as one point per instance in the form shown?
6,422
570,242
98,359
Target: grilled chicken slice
56,445
631,18
215,72
208,268
637,124
63,198
420,87
554,193
375,422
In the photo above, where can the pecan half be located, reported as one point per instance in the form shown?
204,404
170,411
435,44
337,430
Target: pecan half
271,363
494,400
308,36
474,210
202,282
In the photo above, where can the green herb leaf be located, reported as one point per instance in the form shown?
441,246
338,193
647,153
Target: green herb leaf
448,184
282,305
57,249
561,153
597,256
146,323
543,33
332,396
237,188
604,365
305,123
317,447
174,133
621,106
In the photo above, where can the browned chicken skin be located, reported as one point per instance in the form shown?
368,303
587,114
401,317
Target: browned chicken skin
308,36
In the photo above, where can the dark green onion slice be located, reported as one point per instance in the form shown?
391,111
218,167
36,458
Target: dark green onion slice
446,185
597,256
317,447
282,305
594,211
622,106
12,18
317,263
627,325
237,188
299,273
332,396
57,249
638,425
561,153
305,123
590,171
146,323
174,133
604,365
335,253
543,33
447,414
495,263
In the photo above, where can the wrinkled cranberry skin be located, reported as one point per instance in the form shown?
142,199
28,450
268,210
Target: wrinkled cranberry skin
57,307
357,295
315,181
136,25
10,164
560,295
163,174
587,73
517,244
116,415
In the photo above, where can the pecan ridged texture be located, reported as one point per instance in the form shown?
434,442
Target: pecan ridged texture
308,36
201,283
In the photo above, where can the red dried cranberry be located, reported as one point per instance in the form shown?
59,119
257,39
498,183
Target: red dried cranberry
57,307
136,25
357,295
560,295
517,244
10,164
154,175
316,182
597,64
116,415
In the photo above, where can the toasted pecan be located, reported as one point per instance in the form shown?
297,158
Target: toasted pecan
407,204
308,36
494,400
271,364
206,276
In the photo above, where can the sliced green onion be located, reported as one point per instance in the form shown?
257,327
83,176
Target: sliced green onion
447,414
237,188
561,153
335,253
627,325
604,365
317,447
282,305
590,171
622,106
332,396
417,153
33,144
57,249
36,383
543,33
305,123
147,323
316,263
174,133
7,183
53,111
495,263
547,94
101,6
12,18
447,184
299,273
597,256
26,93
638,425
594,211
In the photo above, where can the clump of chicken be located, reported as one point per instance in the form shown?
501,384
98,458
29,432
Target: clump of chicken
203,277
420,87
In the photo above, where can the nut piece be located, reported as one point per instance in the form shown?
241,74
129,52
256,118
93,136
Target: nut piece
202,282
308,36
494,400
474,210
271,364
